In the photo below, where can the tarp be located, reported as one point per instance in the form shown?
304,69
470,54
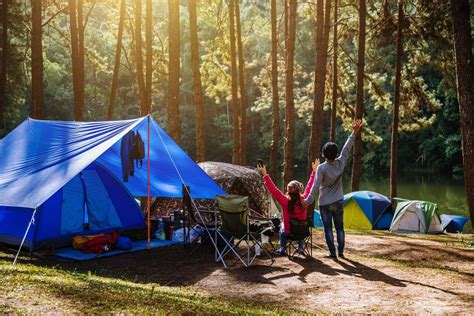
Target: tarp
39,157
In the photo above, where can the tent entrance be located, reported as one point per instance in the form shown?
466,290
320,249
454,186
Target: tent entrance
87,205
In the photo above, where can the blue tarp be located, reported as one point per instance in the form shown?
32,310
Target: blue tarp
40,157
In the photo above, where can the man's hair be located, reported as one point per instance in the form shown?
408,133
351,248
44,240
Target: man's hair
330,151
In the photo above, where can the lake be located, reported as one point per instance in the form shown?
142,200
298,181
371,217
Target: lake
447,192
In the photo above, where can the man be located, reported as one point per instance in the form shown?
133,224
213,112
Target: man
329,183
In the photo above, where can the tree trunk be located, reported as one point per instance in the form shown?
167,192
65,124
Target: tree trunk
285,29
235,105
290,106
80,103
149,47
3,63
174,122
139,58
332,133
465,84
118,51
243,97
37,109
275,144
197,85
396,103
357,160
322,38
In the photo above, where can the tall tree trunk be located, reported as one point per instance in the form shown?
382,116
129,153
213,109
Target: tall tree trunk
139,58
118,51
235,105
37,109
334,78
275,144
76,27
285,29
357,160
290,106
80,103
396,103
465,84
174,122
197,85
149,48
3,62
243,97
322,38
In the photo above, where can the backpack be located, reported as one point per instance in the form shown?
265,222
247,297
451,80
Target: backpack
138,150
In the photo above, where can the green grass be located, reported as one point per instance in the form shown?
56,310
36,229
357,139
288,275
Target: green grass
29,288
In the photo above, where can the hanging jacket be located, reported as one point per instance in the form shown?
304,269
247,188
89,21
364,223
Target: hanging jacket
126,148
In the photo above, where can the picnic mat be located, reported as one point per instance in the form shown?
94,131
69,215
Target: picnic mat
77,255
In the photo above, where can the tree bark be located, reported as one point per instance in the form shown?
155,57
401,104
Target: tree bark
243,97
396,103
80,103
290,106
465,84
37,109
275,144
332,133
197,84
174,121
139,58
118,51
149,48
322,38
235,105
3,62
357,160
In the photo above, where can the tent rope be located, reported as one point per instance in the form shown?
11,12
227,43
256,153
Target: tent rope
32,221
189,193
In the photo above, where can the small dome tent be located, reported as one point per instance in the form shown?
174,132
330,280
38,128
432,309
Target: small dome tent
453,223
416,217
367,210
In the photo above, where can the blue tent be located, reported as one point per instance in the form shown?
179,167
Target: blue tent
367,210
453,223
44,162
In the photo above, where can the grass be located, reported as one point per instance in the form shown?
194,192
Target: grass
28,288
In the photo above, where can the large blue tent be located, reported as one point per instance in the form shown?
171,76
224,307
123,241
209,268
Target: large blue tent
42,162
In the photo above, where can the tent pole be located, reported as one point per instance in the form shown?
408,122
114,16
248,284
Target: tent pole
32,220
148,183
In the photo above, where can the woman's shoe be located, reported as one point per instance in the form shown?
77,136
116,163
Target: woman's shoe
280,251
300,251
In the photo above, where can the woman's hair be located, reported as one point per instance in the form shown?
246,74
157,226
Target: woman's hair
294,199
295,188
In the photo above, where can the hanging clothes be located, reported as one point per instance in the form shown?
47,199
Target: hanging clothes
132,148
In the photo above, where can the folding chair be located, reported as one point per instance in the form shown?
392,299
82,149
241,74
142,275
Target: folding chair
234,231
301,230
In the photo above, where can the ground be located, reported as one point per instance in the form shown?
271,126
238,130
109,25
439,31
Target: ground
382,272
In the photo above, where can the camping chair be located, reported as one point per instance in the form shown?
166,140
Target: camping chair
234,230
301,230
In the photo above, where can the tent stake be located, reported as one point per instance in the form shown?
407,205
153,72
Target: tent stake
24,237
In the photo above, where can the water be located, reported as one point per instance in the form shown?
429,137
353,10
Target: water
448,193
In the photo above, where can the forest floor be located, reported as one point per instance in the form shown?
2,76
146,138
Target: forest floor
381,273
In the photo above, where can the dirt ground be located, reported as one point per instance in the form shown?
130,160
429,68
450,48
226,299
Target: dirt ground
381,273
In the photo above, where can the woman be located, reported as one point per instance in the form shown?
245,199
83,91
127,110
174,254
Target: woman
290,203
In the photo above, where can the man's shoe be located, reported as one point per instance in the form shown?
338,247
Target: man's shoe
341,255
331,255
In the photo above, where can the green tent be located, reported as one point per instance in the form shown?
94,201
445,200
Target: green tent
416,217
